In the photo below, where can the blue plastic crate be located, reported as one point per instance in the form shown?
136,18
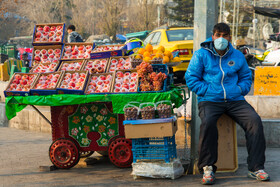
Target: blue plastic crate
159,68
170,80
154,149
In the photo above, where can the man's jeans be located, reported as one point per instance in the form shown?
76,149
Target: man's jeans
245,115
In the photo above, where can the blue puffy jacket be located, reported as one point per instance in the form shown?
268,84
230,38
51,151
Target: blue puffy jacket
218,78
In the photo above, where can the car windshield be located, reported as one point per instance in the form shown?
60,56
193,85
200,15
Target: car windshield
179,35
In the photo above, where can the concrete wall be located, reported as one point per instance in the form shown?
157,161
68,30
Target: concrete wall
271,133
3,119
3,86
268,107
29,119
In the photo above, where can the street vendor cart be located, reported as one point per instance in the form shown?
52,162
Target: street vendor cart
87,87
82,124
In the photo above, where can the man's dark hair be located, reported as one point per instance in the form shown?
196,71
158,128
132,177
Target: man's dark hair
71,27
221,27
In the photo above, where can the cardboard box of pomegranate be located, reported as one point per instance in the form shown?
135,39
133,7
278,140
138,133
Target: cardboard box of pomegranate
96,65
71,65
73,51
125,81
119,63
48,34
46,83
20,84
107,51
73,82
46,54
100,83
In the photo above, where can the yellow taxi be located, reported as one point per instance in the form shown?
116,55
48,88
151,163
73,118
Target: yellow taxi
177,40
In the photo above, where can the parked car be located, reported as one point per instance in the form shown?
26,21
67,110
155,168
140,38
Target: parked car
174,39
140,35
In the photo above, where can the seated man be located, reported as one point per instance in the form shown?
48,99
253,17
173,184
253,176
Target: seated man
220,77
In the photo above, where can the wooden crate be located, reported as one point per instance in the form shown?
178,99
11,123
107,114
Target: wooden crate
19,93
73,44
99,74
69,62
47,47
131,71
94,61
38,43
227,143
110,62
47,91
72,91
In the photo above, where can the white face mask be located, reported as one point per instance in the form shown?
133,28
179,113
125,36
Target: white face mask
220,44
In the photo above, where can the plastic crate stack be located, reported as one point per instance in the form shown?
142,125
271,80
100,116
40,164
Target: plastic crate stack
154,149
152,139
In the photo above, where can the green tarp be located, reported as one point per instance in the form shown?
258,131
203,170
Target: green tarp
15,104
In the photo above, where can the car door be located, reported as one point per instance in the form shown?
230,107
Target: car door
156,40
148,39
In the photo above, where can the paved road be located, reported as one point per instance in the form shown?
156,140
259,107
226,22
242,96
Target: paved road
22,152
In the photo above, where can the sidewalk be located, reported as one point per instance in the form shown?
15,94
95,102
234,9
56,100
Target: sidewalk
22,152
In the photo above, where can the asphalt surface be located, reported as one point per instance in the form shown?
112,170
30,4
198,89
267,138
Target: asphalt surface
23,152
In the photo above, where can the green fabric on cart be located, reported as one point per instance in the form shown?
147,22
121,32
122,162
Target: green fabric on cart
15,104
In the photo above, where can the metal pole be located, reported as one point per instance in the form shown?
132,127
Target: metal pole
221,10
42,115
237,19
205,17
158,13
254,26
224,8
233,22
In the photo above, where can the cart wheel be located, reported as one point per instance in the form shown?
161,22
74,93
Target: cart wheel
120,153
64,153
85,154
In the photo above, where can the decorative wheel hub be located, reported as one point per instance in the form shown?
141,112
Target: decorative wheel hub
120,153
64,153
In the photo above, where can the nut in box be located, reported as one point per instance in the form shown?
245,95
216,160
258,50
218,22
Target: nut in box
164,109
147,110
131,110
156,60
136,60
